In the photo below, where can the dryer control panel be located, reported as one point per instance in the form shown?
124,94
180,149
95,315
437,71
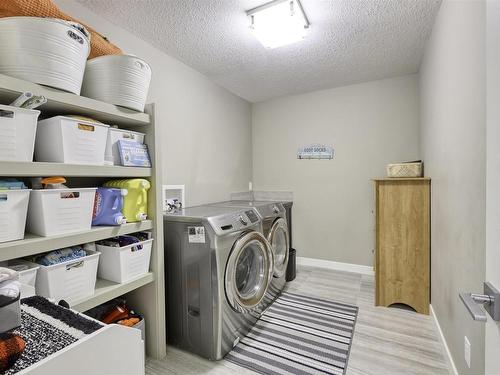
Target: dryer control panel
237,221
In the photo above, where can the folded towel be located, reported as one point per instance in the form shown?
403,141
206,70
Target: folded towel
11,184
60,256
11,348
8,274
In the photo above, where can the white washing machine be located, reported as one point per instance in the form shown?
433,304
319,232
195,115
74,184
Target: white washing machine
218,268
275,229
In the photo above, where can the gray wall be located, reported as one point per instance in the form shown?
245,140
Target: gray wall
369,125
205,130
452,88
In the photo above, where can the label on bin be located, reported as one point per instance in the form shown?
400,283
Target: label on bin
196,234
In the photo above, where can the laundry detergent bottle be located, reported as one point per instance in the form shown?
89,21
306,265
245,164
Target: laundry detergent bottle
108,206
135,203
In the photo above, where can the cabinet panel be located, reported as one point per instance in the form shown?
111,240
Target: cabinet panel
403,243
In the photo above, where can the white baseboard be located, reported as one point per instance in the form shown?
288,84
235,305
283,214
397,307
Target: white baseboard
338,266
449,358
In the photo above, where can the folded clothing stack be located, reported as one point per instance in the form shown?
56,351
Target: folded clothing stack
121,241
9,286
59,256
12,184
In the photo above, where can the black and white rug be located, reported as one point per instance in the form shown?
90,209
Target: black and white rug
299,335
47,328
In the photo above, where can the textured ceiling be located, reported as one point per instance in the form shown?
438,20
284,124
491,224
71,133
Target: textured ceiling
349,41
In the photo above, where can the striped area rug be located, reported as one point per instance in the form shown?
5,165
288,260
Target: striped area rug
298,335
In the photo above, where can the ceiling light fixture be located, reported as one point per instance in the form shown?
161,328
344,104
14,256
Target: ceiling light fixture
279,23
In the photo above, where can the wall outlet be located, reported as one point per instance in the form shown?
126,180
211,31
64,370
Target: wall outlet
467,351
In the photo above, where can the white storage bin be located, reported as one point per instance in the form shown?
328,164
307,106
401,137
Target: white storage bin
117,79
11,316
141,326
112,154
70,281
59,211
27,276
13,209
17,133
70,140
122,264
48,51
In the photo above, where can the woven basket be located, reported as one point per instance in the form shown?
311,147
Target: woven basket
405,170
46,8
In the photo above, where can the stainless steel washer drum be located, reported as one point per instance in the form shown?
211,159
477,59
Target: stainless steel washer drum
48,51
118,79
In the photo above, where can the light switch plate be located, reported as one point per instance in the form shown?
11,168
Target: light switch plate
467,351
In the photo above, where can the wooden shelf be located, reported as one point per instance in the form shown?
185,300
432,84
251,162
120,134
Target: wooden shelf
32,169
61,102
33,244
402,179
106,290
147,292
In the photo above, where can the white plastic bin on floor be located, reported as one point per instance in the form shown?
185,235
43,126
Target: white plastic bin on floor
13,209
141,326
112,154
71,280
27,276
60,211
17,133
122,264
70,140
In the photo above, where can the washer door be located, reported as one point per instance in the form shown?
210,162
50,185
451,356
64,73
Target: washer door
249,271
280,244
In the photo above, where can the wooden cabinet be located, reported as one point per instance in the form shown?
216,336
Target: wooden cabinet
402,264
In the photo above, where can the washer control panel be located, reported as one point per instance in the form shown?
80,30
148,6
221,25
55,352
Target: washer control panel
237,221
252,216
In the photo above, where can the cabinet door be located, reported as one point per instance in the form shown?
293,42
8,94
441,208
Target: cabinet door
403,254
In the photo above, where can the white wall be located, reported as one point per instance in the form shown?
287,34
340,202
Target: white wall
369,125
206,131
492,344
453,139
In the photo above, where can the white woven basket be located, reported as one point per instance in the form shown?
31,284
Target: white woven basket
405,170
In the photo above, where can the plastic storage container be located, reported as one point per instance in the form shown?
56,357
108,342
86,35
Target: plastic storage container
70,140
141,326
71,280
122,264
60,211
27,275
13,210
118,79
135,203
17,133
108,205
112,154
48,51
11,316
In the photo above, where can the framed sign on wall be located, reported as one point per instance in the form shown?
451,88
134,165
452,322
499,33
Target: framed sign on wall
315,151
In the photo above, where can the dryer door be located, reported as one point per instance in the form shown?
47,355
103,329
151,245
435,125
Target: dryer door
249,271
280,243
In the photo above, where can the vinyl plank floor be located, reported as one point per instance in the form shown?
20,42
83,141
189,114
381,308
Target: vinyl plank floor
388,341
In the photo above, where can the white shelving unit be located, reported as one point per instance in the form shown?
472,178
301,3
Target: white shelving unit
145,293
